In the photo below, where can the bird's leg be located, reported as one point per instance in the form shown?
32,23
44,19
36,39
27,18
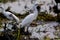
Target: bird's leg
18,35
18,32
26,27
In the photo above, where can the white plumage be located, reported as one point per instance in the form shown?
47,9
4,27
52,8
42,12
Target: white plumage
28,19
9,15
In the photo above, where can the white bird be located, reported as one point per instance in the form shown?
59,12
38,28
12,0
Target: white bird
9,15
28,19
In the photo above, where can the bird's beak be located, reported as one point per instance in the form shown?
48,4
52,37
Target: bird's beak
40,4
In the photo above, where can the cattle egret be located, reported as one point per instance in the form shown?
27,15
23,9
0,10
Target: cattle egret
32,16
9,15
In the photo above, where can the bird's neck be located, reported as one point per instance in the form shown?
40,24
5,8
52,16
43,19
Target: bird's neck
35,11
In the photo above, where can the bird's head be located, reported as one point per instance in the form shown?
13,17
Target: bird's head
37,6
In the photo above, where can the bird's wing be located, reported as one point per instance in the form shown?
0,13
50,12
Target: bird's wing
28,19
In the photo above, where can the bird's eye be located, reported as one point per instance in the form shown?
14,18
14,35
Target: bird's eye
10,15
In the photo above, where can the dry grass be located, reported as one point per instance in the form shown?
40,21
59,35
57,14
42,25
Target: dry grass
5,1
